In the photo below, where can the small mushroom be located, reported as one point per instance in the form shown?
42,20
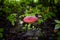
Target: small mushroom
30,19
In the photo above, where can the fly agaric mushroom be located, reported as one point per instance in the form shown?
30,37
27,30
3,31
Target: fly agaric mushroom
30,19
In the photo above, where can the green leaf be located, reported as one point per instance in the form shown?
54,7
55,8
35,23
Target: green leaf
45,17
57,21
40,21
24,28
56,1
57,26
12,18
35,1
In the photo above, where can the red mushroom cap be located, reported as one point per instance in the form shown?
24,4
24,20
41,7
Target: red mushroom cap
30,19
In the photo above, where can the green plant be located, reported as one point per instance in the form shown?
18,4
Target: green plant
24,8
57,26
12,18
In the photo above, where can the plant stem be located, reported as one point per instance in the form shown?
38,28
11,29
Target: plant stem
29,26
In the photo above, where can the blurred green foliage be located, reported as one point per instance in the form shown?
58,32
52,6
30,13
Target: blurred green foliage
1,35
58,38
12,18
57,24
23,8
16,6
1,30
